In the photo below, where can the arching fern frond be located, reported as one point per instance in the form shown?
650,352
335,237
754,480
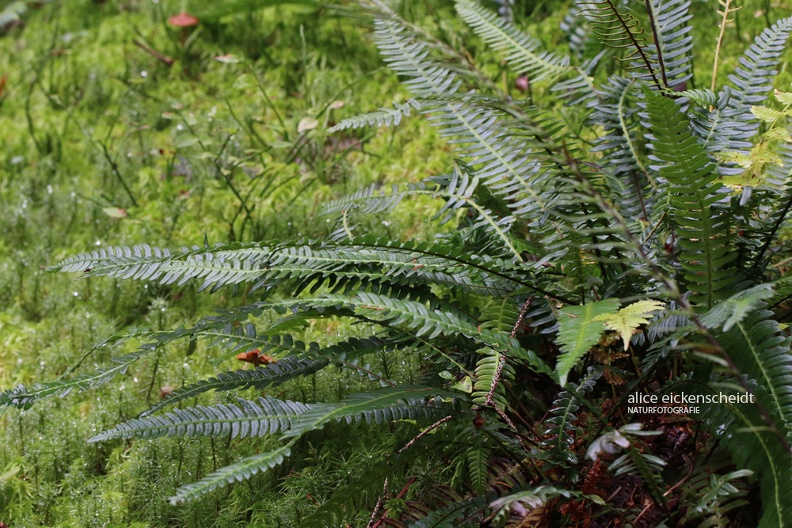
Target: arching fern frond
382,406
260,378
619,29
382,117
742,432
762,352
266,416
522,52
501,162
272,263
136,262
24,397
242,470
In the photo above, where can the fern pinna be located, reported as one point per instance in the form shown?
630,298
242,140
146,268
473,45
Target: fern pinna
631,250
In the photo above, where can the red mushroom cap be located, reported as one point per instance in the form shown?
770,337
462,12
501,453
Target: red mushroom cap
183,19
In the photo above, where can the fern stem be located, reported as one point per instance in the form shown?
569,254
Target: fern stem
656,39
726,5
634,40
423,433
496,273
489,400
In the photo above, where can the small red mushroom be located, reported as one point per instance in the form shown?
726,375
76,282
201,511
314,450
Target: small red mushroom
183,20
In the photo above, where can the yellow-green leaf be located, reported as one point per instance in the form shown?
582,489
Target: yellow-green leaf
626,321
785,98
766,114
781,134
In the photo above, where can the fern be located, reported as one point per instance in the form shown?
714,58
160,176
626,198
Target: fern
619,29
522,52
673,43
260,378
554,218
500,160
267,416
270,416
693,189
242,470
381,117
730,125
24,397
578,331
559,437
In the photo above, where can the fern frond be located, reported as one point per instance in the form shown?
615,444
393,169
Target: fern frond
382,406
713,496
742,432
522,52
579,331
429,323
267,416
731,125
702,97
242,470
693,188
382,117
259,378
673,35
733,310
138,262
620,30
265,263
558,439
501,161
762,352
577,31
491,370
24,397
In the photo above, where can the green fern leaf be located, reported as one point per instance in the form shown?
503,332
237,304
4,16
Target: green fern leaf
520,50
731,126
381,117
260,378
733,310
267,416
578,331
382,406
693,188
242,470
24,397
